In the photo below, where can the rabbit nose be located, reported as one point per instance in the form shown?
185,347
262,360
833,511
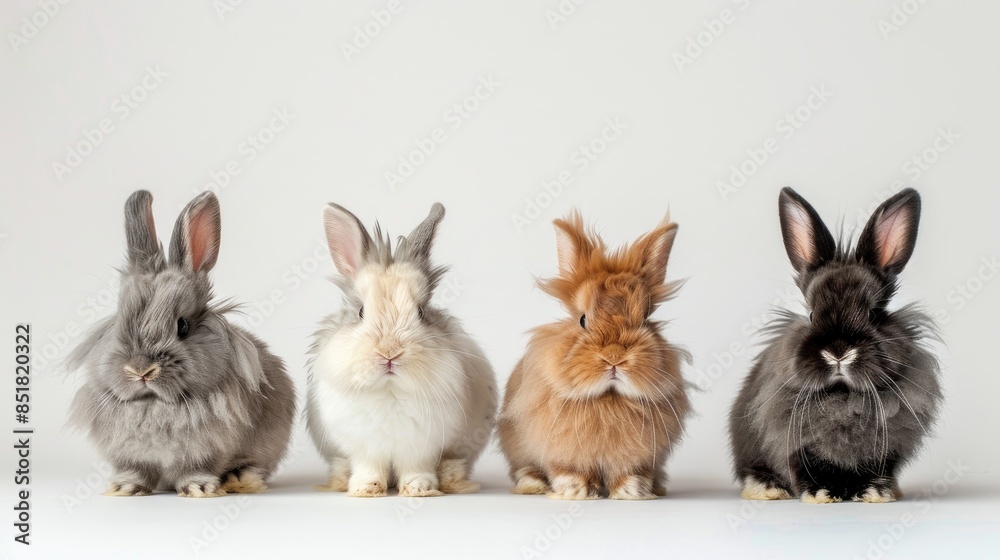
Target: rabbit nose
614,355
388,345
389,356
149,373
838,359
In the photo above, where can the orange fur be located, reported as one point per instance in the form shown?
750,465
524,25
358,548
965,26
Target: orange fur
564,415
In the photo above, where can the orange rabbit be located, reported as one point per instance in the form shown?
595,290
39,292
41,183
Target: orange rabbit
598,401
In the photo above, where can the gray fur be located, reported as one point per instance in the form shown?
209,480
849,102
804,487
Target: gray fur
222,402
416,247
378,249
143,249
789,408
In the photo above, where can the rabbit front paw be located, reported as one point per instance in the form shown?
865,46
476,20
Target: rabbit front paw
200,486
126,489
419,486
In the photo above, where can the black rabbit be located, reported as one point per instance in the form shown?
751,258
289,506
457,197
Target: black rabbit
842,398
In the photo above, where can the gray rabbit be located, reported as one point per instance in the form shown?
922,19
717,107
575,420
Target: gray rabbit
841,399
175,396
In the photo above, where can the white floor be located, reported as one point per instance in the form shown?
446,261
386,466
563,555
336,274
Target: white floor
698,520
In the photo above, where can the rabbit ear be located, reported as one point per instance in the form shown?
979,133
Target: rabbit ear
888,239
653,250
349,242
418,243
808,242
144,252
194,244
572,243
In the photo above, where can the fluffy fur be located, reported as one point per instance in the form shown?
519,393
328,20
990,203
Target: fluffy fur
399,394
204,413
598,401
842,398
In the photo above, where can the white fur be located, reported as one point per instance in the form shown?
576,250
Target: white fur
845,360
822,496
634,488
569,487
754,489
841,365
876,496
439,403
528,483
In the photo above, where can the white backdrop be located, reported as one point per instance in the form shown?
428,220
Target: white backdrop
510,114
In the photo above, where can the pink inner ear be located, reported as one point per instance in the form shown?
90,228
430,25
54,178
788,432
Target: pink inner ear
201,237
801,232
344,245
890,236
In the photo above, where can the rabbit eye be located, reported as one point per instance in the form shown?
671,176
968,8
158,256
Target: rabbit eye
583,321
810,316
183,328
420,313
361,312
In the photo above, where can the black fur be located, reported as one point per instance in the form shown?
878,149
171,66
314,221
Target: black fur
842,399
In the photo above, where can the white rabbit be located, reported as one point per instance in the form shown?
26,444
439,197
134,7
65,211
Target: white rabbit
399,394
